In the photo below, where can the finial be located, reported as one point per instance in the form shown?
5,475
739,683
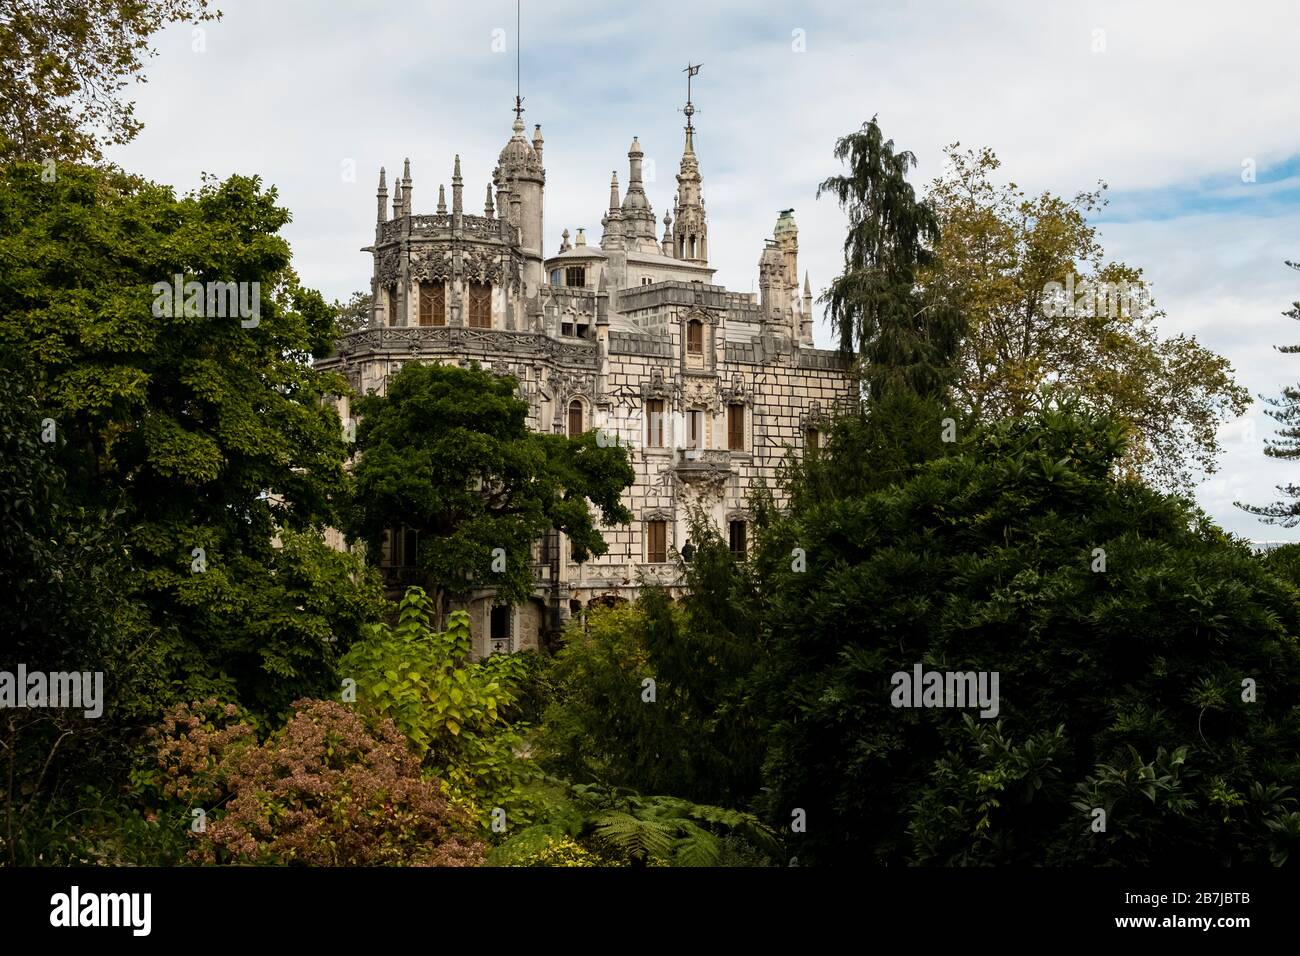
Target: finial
455,172
442,200
487,206
807,287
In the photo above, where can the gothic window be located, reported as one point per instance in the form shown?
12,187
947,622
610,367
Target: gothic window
575,276
695,337
409,540
480,305
433,304
654,422
656,537
736,427
737,532
575,418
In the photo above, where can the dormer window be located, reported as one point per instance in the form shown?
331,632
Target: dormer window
695,337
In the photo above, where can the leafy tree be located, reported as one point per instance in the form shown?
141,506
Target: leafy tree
450,708
209,436
700,738
354,314
1147,667
1285,410
1045,307
906,339
448,452
63,64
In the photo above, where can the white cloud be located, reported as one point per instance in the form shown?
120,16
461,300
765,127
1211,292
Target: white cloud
1182,94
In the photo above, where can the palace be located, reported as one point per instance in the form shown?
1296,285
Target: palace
711,388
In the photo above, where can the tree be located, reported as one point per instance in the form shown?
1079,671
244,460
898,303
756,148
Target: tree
354,314
448,452
1146,662
453,710
1045,307
63,64
905,338
1285,410
690,732
207,430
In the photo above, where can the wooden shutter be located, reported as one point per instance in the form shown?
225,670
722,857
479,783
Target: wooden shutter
695,337
736,427
654,411
575,419
657,542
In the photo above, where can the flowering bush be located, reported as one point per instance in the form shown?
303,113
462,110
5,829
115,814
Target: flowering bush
325,790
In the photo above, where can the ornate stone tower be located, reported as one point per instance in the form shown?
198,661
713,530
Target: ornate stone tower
520,179
690,230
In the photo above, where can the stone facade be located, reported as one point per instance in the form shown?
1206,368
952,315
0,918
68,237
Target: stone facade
711,389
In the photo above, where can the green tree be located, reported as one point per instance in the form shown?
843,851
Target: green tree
354,314
692,732
63,64
1045,307
1147,667
905,338
448,452
210,435
1285,410
454,711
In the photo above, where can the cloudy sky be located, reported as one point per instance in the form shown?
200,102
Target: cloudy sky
1166,101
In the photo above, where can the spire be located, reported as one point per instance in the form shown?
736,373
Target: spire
690,230
406,186
638,218
537,141
667,242
442,200
487,205
457,189
614,200
382,196
807,287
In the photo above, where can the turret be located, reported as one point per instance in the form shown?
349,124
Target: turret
690,231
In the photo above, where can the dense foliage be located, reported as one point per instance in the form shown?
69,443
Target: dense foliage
447,452
1126,630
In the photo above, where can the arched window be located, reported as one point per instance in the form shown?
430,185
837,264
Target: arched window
575,418
433,309
695,337
480,305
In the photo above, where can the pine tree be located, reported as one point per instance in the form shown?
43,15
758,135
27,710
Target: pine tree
875,307
1285,410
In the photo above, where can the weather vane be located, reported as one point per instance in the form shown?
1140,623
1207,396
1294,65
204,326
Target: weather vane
689,108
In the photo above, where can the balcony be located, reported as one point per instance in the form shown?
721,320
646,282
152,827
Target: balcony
706,463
